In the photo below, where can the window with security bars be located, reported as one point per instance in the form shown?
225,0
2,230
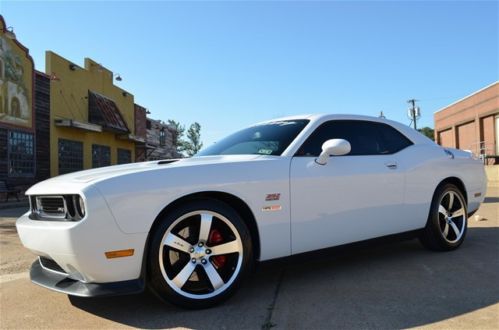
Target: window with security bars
21,154
101,155
70,156
124,156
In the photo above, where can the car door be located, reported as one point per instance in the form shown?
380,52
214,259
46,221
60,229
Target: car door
353,197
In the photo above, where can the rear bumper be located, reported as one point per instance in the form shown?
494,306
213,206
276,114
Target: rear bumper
62,283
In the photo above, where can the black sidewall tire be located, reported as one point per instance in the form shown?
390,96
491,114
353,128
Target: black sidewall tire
157,284
431,236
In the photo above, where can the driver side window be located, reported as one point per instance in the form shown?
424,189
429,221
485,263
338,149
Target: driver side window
365,137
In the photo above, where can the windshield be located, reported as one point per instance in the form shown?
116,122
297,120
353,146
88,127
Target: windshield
267,139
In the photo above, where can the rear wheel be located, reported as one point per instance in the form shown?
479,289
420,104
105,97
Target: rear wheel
199,254
447,221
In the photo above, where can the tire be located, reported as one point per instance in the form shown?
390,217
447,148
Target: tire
199,254
448,220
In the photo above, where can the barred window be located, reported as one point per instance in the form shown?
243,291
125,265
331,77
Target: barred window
70,156
124,156
101,155
162,137
21,154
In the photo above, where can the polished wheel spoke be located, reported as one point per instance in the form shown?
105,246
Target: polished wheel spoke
458,213
442,210
226,248
184,274
454,228
446,230
215,279
177,243
205,226
451,200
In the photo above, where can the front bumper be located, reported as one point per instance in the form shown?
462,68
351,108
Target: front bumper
79,247
62,283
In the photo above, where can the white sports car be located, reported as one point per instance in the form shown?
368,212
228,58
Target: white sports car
190,229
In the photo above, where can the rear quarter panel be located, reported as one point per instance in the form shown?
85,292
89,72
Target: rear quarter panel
427,166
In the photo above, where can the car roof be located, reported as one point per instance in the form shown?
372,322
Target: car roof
317,119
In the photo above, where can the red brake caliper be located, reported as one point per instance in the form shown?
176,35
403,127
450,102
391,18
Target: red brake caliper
216,238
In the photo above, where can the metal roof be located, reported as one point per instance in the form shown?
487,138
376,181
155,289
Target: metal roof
104,111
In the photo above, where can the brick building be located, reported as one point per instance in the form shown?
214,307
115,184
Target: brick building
472,123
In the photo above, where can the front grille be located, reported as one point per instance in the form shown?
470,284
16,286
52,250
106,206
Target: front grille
51,265
51,206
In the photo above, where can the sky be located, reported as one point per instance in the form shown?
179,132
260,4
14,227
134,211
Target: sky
230,64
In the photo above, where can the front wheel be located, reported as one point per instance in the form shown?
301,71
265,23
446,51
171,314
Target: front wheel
199,254
447,221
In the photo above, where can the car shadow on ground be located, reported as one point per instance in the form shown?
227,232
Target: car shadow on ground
378,285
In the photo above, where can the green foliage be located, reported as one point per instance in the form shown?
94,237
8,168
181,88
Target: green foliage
192,143
428,132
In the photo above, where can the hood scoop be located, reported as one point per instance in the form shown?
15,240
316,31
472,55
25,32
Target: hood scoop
167,161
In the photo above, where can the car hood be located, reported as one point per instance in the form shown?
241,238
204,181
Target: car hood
74,182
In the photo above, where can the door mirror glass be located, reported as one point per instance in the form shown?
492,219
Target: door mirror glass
334,147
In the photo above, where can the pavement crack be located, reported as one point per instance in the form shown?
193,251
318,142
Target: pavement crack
270,310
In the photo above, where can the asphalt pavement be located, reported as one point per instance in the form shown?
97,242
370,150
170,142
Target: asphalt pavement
380,285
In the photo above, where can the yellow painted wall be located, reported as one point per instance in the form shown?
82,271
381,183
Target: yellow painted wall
69,100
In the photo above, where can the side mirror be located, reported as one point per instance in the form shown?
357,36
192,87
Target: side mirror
334,147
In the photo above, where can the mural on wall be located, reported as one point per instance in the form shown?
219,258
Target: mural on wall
16,78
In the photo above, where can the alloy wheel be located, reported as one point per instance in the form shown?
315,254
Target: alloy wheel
451,216
201,254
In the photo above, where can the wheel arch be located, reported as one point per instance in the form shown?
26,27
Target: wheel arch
458,183
233,201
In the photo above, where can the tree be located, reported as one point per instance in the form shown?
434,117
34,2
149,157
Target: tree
428,132
178,134
193,143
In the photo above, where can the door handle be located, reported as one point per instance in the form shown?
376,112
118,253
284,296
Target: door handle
391,165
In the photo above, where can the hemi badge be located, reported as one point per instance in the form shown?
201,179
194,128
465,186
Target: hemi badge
478,194
273,197
271,208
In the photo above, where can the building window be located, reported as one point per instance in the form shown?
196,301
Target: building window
162,137
21,154
124,156
148,124
101,155
70,156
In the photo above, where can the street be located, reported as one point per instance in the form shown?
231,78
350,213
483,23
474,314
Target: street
384,285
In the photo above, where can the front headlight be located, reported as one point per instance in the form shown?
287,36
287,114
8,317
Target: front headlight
81,207
57,207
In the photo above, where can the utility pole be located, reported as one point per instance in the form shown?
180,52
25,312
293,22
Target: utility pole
414,112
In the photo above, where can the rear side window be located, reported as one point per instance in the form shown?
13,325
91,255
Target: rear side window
365,137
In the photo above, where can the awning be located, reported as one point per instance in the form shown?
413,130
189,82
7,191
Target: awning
104,112
133,138
78,124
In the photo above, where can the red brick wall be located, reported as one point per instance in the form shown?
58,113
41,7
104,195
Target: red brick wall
466,134
140,121
140,131
488,134
466,123
446,139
